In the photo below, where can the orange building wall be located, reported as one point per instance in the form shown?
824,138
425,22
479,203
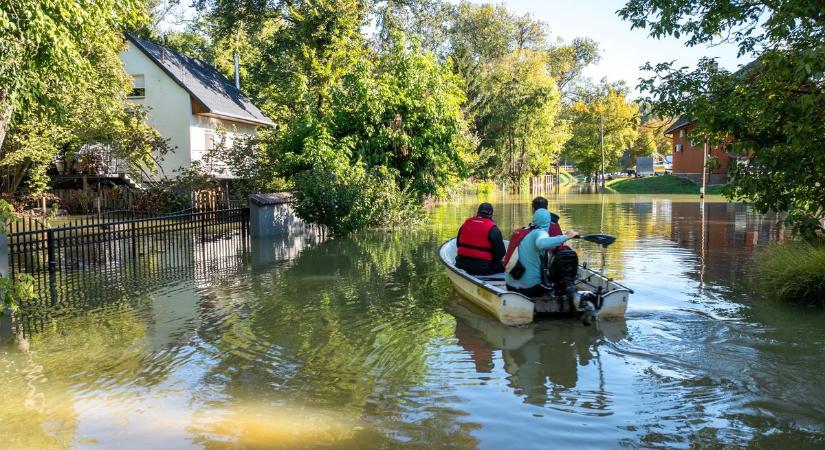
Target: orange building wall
689,160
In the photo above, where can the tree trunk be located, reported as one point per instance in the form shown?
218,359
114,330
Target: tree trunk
5,116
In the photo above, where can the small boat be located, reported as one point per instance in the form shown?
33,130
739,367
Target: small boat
490,293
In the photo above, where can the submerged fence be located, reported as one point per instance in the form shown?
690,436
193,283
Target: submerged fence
115,242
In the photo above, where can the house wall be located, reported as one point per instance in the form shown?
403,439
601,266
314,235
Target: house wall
168,107
689,160
201,125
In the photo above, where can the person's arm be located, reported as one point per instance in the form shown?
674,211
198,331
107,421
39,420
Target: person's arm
498,244
545,241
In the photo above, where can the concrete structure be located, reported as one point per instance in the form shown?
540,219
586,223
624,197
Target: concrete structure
688,158
188,101
271,215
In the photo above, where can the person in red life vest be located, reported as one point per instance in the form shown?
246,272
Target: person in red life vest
555,228
480,244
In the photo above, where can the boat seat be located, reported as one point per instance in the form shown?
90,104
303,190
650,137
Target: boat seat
493,277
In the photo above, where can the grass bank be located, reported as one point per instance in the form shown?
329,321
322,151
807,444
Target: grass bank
792,272
663,184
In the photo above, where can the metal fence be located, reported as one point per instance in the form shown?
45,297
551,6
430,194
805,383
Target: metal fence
110,241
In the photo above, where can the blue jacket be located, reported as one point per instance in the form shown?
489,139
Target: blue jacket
530,249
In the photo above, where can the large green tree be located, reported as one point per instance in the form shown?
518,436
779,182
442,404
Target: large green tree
774,107
601,111
49,50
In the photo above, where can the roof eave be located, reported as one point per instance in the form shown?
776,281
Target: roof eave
234,118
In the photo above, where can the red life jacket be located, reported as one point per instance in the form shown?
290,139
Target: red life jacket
515,240
555,230
473,238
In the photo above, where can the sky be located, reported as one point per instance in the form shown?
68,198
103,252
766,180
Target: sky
623,51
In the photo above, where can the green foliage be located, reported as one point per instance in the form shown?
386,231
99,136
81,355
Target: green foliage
664,184
773,107
603,107
63,85
52,49
485,189
404,113
567,61
792,272
352,198
645,143
13,293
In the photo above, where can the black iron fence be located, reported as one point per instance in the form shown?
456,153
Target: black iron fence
55,254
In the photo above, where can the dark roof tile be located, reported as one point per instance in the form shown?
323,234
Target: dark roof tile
203,82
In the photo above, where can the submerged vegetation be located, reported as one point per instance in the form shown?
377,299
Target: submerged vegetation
793,272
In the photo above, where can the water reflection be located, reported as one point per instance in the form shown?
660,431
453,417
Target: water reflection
543,359
362,343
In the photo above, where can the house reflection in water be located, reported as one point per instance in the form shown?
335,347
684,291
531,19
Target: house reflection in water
723,235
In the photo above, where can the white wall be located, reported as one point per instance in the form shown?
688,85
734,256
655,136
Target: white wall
168,106
201,125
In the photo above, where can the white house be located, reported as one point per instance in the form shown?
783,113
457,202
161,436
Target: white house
187,101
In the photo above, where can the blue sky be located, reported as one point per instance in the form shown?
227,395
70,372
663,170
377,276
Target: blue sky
623,50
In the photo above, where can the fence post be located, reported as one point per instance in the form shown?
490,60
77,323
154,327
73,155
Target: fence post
202,217
51,260
5,255
134,240
50,253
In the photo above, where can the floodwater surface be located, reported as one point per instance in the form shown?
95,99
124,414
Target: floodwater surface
360,342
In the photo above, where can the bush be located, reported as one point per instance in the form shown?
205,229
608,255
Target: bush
350,198
793,272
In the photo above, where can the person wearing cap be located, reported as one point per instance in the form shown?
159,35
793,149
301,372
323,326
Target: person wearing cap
480,244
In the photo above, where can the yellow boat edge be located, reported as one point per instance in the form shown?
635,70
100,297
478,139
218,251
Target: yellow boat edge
510,308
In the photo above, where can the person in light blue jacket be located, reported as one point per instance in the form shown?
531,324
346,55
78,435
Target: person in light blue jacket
529,255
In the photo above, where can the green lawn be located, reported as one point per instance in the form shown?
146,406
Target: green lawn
662,184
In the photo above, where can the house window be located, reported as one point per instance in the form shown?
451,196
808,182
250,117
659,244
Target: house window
678,148
138,87
681,133
209,141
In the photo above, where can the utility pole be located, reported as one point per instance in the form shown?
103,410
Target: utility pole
601,136
704,170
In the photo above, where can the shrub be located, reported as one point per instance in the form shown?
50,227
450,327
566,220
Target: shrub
793,272
349,198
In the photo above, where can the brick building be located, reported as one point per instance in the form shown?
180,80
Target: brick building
688,158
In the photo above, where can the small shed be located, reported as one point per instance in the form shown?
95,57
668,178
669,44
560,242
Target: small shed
271,215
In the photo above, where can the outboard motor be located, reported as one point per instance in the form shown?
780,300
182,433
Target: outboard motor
560,275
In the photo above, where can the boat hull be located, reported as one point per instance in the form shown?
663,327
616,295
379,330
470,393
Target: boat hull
512,308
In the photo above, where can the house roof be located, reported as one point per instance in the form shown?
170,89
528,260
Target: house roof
679,124
204,83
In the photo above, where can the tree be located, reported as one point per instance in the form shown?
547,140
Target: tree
603,107
53,48
401,112
774,107
566,62
521,125
645,143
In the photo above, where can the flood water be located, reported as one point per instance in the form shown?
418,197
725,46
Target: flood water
362,343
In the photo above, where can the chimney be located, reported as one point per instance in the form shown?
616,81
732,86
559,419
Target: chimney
237,71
